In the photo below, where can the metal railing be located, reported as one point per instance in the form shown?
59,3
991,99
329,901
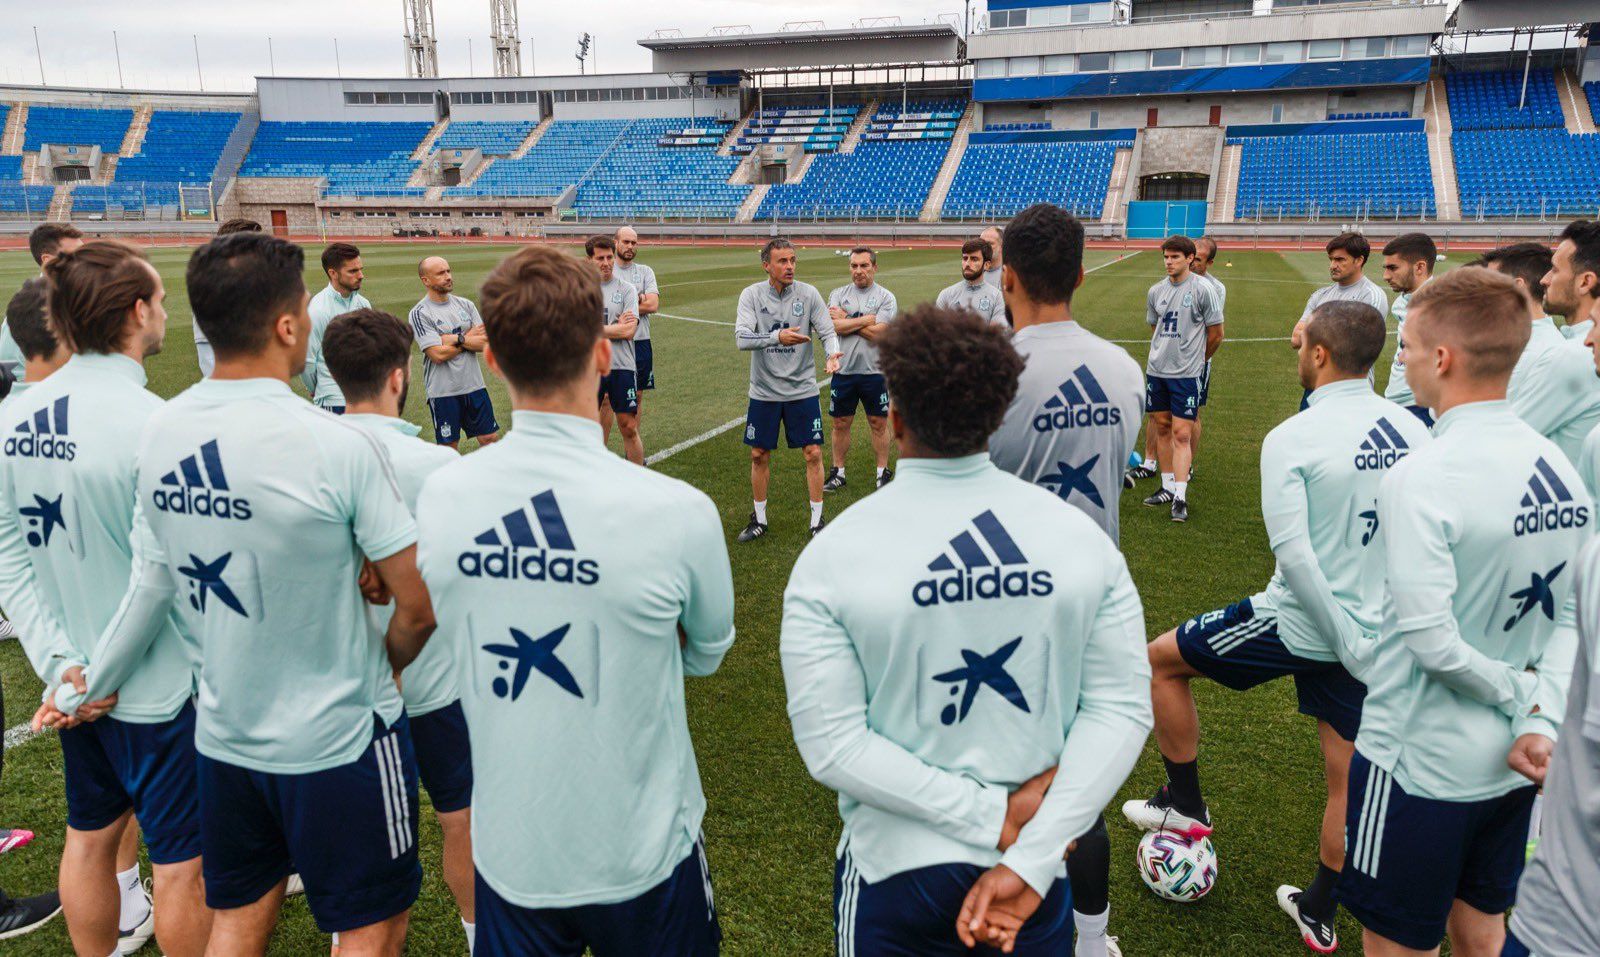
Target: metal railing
116,201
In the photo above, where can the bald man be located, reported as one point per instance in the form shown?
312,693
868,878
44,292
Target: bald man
642,278
450,334
993,236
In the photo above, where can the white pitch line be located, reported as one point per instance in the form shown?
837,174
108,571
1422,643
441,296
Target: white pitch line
709,434
20,735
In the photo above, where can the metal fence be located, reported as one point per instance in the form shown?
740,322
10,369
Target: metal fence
114,202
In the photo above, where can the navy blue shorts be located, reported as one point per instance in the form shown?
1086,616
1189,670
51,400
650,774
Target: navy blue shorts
1205,384
111,766
350,831
1423,413
1408,859
619,388
1239,649
444,757
801,418
1514,947
675,918
335,409
1181,397
913,914
644,360
471,414
866,388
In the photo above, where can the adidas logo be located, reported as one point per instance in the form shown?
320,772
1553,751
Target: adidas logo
1549,504
1382,447
513,551
199,486
1080,403
44,436
976,572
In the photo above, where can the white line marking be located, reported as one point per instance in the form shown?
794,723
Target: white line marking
18,736
709,434
709,322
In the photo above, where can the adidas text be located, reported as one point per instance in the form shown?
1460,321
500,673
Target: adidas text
188,500
1551,517
970,585
1077,417
1375,459
515,564
30,446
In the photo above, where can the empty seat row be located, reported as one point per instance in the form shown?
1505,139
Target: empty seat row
1497,101
1002,179
640,178
1527,172
76,126
493,138
1379,174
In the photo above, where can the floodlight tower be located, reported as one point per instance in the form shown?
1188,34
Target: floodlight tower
422,47
505,38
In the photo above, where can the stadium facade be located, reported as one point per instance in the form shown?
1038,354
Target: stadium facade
1143,116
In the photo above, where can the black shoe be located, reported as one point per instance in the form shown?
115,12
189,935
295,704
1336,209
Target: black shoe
19,916
1160,814
818,527
1180,510
1161,497
1137,474
886,477
835,481
754,530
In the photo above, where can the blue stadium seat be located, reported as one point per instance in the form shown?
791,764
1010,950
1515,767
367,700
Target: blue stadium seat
1527,172
1015,127
1002,179
1591,90
567,150
16,198
816,126
641,178
180,148
76,126
1336,174
495,139
1488,101
358,159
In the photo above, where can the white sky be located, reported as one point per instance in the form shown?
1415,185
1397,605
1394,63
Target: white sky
155,36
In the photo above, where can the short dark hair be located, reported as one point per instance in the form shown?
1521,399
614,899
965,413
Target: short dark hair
1479,311
1585,237
1353,243
867,251
1528,262
1208,243
28,318
1179,244
772,245
45,240
335,255
951,376
598,242
91,291
1353,333
978,246
1413,248
1044,248
362,348
238,225
542,310
239,284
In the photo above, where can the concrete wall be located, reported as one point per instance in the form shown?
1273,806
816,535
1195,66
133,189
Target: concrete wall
1299,106
1179,149
126,99
322,99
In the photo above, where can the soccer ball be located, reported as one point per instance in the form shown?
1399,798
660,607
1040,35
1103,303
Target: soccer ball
1177,868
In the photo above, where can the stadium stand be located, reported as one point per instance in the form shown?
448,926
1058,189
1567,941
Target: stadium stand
1002,179
180,148
640,177
566,151
819,128
16,198
1391,115
1334,174
1014,127
1590,90
1488,101
75,126
358,159
494,139
1527,172
887,176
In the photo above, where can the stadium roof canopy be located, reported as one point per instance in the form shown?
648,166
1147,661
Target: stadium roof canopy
1475,15
758,52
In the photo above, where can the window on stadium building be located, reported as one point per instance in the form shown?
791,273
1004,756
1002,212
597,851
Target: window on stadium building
1203,56
1411,46
1282,52
1369,47
1125,60
991,68
1061,63
1165,59
1024,66
388,99
1324,49
1244,53
1094,62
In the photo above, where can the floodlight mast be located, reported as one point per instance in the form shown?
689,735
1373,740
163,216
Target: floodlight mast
422,46
505,37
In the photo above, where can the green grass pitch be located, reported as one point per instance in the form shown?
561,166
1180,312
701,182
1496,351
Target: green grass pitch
770,830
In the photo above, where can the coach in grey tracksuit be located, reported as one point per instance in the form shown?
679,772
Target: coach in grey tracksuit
976,295
776,323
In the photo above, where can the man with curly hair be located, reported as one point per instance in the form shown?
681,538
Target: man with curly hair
999,639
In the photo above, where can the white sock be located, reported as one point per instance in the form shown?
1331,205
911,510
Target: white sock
761,512
840,470
816,514
1180,490
1091,933
135,908
472,936
881,470
1166,481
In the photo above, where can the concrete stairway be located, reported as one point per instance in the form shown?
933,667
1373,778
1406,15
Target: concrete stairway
1574,104
133,140
477,171
1441,159
426,146
533,137
61,204
1221,210
934,205
852,136
31,174
16,122
728,142
752,203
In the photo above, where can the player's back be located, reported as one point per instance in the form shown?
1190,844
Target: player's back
987,605
263,507
1075,418
70,464
1338,450
1507,527
560,585
1554,389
